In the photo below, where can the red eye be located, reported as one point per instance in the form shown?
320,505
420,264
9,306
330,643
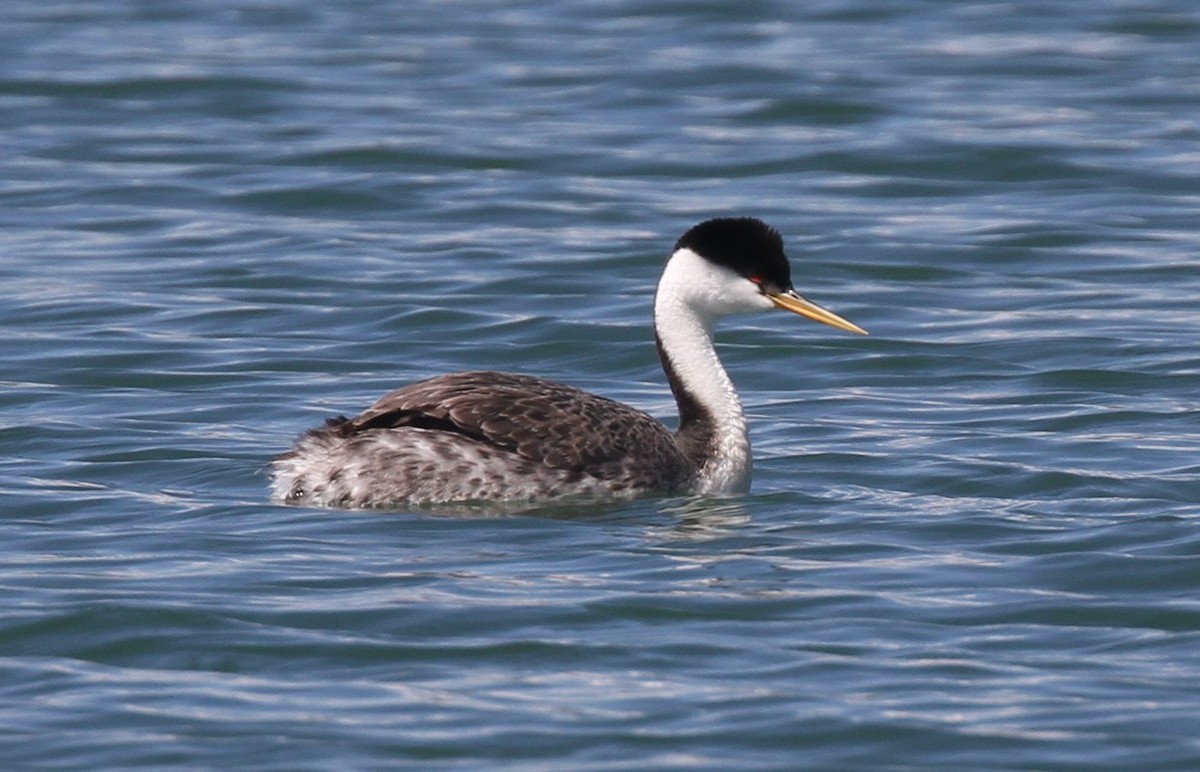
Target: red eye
756,279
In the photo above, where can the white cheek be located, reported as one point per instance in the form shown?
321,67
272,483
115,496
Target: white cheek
710,290
754,299
733,294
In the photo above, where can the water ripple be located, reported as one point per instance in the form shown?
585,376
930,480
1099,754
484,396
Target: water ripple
970,541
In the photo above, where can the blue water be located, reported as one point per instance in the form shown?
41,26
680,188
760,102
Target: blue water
972,537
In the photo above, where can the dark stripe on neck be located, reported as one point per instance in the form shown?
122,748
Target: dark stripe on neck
697,427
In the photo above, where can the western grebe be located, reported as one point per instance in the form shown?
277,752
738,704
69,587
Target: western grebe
490,435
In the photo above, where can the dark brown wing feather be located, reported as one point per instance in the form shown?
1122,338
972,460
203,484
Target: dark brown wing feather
547,422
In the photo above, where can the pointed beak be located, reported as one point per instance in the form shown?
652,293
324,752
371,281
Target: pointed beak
790,301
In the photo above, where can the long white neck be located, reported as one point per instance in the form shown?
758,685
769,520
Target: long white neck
712,426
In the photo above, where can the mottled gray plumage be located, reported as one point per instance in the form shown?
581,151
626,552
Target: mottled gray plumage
481,435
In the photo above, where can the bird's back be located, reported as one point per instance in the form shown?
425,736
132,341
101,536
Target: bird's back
482,435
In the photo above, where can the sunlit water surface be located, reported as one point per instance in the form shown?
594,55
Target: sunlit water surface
972,537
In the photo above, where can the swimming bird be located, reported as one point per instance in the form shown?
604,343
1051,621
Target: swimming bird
501,436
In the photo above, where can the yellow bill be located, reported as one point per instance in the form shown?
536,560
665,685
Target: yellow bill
790,301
